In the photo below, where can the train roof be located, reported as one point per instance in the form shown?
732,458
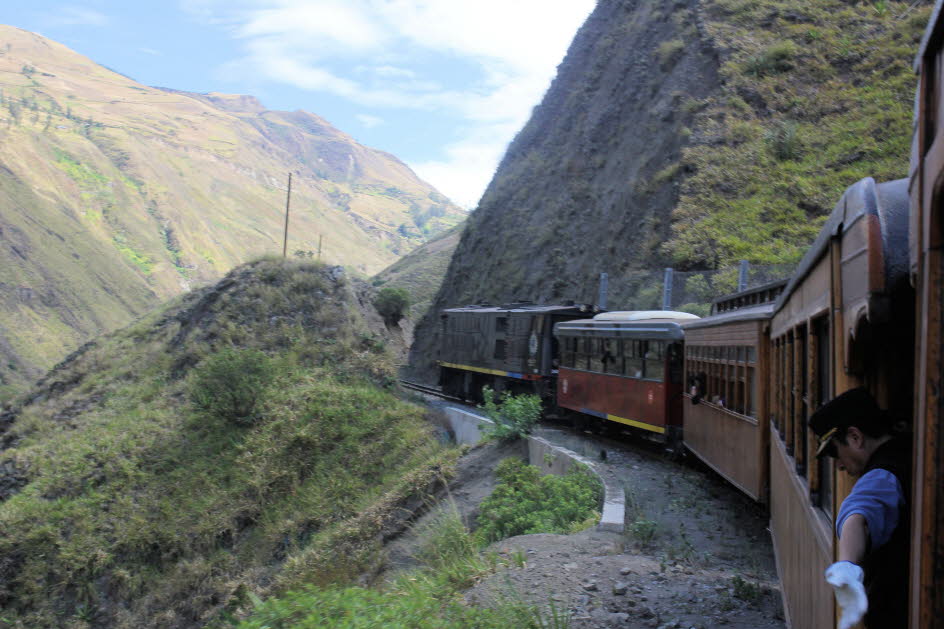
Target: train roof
658,325
753,304
889,203
759,312
644,315
576,309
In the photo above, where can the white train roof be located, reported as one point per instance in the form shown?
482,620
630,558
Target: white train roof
643,315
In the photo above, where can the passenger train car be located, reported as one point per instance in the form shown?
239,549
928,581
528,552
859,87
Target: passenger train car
625,367
726,359
844,320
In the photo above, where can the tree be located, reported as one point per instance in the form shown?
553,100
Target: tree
392,304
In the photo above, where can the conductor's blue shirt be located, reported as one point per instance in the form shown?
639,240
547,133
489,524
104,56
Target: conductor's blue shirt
877,496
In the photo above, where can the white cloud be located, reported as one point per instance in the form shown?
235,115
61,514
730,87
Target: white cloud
369,121
390,54
469,164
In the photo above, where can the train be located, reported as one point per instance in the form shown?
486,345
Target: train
736,389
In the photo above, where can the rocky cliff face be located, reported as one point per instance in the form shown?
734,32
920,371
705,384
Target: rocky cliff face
587,185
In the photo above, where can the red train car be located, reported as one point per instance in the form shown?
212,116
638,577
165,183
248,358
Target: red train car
625,367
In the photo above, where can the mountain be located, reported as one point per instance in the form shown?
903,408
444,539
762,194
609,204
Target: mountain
688,134
244,439
115,196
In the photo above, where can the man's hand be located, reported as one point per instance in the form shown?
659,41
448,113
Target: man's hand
846,579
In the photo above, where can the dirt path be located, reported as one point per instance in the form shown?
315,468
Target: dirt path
696,552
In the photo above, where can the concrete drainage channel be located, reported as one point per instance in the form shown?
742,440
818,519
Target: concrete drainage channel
465,426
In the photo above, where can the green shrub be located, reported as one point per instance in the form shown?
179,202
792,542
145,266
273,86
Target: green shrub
783,140
669,51
774,59
514,415
644,530
524,502
231,383
392,304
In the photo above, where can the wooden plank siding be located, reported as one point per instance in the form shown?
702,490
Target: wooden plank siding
733,444
802,545
927,266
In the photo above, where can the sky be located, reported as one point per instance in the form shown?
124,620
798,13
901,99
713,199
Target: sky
442,84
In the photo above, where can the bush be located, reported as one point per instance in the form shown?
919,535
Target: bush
524,502
230,384
514,415
783,140
774,59
392,304
669,51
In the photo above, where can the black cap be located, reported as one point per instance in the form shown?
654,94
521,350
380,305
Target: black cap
856,407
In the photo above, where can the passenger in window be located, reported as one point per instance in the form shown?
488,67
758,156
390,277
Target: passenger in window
697,384
871,577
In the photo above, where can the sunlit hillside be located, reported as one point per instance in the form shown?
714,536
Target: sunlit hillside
115,196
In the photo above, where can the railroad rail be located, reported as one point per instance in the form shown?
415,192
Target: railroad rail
429,390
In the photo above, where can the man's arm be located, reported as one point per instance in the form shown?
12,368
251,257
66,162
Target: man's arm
854,539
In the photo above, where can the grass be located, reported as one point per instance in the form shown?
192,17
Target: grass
136,495
452,561
427,598
815,96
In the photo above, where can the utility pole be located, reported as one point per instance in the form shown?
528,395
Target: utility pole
667,289
288,200
320,237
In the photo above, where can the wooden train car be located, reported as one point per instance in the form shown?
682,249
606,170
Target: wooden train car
845,319
509,347
926,239
625,367
726,362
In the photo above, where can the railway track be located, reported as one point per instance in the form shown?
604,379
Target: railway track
429,390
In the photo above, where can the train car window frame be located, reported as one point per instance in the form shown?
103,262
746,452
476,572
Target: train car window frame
729,377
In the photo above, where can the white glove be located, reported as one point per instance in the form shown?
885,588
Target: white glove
846,579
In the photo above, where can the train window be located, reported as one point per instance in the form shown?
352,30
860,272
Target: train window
802,399
500,348
568,350
635,364
501,324
613,362
596,355
654,360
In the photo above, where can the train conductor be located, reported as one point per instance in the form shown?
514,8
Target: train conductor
870,576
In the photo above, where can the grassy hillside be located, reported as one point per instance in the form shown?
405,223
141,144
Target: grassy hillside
241,441
115,196
816,95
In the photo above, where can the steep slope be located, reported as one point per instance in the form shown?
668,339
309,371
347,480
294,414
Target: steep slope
115,196
134,493
689,134
421,271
